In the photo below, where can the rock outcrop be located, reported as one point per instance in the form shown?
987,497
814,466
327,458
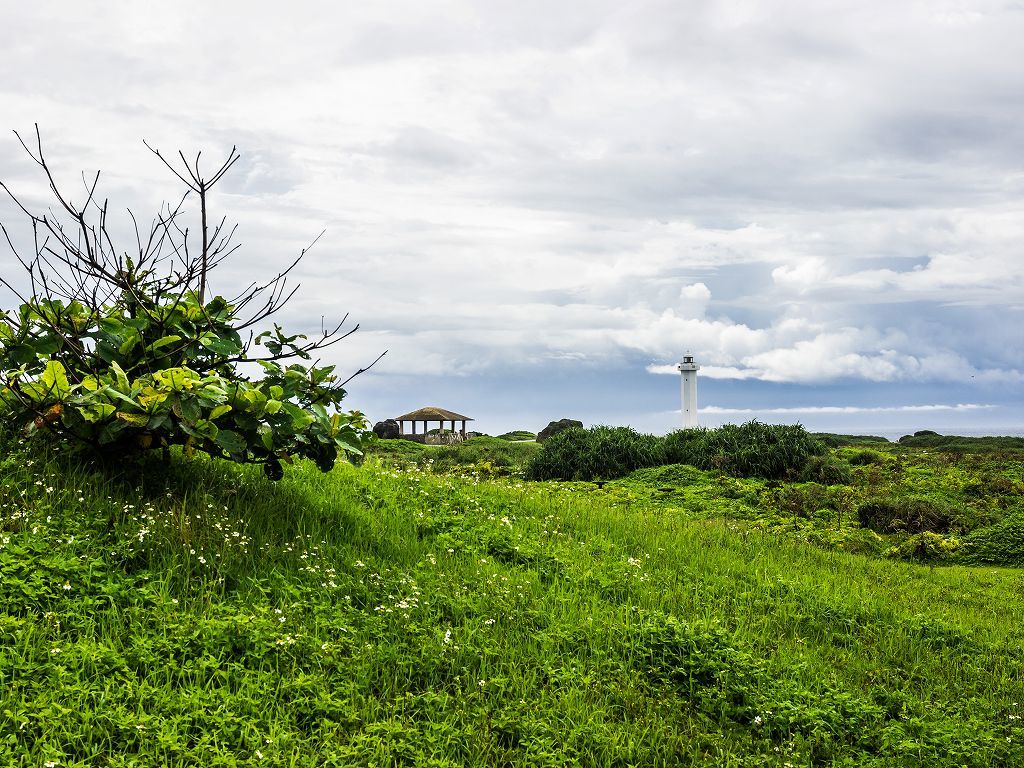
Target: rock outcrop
387,429
557,426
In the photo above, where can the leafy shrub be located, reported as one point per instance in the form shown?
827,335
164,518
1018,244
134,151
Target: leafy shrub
999,544
118,355
676,475
958,444
554,427
771,451
865,457
501,455
598,452
910,514
833,440
927,547
518,434
826,470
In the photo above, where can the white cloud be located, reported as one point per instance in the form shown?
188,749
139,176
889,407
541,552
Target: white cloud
846,409
796,193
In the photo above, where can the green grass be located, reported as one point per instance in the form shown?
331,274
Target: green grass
519,435
203,616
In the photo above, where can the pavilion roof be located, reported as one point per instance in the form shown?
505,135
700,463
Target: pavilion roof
432,413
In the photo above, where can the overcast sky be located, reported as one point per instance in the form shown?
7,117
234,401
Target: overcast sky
538,208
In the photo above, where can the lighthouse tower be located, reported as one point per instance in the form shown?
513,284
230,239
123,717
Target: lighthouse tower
689,369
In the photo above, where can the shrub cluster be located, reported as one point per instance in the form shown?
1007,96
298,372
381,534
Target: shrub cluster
596,453
754,449
999,544
911,514
748,450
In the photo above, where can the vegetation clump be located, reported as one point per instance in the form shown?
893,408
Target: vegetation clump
518,435
748,450
998,544
596,453
959,444
927,547
753,449
827,470
118,354
911,514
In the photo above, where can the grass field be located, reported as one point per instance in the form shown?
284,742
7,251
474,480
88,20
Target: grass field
391,615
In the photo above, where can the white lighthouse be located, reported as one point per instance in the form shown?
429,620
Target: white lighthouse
689,369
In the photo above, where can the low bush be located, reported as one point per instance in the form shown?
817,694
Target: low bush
833,440
598,452
826,470
999,544
500,454
959,444
674,475
910,514
927,547
518,434
865,457
771,451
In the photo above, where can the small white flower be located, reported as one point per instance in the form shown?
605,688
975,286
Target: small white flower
66,587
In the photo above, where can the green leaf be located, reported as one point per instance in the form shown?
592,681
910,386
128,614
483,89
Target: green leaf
111,432
221,346
128,344
267,436
232,442
121,379
300,418
134,419
219,411
162,342
93,412
55,379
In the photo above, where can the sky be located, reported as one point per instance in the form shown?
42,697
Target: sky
538,208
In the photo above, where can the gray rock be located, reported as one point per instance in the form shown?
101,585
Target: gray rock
387,429
557,426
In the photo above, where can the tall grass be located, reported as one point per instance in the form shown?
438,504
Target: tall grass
201,615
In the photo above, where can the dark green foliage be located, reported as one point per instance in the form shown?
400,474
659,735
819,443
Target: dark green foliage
909,514
494,455
595,453
866,456
668,475
833,440
748,450
754,449
826,470
958,444
554,427
485,455
118,355
999,544
518,434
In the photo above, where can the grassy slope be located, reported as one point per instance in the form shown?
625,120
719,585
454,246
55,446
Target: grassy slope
379,617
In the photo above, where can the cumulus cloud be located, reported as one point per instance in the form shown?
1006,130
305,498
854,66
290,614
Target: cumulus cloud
797,193
847,409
